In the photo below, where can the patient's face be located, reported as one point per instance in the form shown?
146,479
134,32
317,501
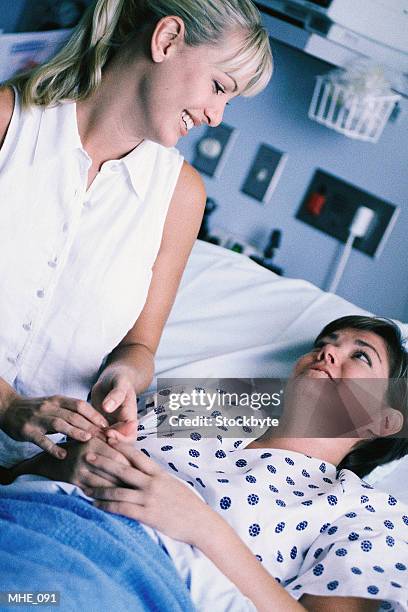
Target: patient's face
347,353
338,389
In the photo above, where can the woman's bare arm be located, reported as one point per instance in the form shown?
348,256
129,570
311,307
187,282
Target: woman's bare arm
130,366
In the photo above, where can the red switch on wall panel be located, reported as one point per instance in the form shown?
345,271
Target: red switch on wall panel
316,202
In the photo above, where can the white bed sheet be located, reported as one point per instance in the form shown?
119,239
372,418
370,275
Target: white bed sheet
233,318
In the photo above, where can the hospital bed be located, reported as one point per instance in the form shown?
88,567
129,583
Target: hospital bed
231,319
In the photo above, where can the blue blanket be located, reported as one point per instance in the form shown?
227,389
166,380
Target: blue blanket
96,560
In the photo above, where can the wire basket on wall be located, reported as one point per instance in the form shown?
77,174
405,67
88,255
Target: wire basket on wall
362,117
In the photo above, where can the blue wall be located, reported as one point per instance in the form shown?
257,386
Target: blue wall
278,116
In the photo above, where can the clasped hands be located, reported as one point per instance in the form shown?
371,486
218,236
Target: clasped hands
112,411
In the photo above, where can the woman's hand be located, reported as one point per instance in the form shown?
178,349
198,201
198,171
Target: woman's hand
114,395
30,419
75,469
151,495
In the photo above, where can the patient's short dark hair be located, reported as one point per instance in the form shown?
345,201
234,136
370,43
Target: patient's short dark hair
369,454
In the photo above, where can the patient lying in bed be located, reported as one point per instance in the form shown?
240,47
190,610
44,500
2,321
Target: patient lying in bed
321,535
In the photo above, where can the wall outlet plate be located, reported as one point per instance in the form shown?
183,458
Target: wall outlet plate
213,148
264,173
341,204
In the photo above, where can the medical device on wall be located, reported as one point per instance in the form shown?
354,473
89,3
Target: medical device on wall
358,229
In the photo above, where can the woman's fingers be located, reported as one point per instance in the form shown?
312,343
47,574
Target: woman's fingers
89,412
123,431
137,458
124,473
114,399
98,479
118,494
138,513
45,443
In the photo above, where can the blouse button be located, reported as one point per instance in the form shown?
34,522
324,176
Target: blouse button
11,360
53,262
40,293
27,326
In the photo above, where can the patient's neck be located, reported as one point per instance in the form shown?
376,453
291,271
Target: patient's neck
332,450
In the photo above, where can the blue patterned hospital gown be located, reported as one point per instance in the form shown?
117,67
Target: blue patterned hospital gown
315,532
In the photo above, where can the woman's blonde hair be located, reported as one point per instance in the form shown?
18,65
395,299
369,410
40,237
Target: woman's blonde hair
76,71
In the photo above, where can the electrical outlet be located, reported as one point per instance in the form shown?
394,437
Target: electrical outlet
330,204
264,174
212,149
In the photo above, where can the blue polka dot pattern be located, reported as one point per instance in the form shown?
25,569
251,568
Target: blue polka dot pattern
173,467
225,503
395,584
254,530
147,453
366,545
332,585
372,589
390,541
301,526
318,569
252,499
301,491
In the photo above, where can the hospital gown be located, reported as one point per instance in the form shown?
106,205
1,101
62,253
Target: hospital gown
314,531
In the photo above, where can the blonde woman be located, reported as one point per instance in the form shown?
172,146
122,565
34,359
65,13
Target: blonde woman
99,211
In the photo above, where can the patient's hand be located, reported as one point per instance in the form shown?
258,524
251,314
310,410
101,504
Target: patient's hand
149,494
75,469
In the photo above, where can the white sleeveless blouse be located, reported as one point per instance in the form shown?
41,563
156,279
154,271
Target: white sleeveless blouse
75,265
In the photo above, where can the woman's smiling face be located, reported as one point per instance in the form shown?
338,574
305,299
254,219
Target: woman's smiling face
347,353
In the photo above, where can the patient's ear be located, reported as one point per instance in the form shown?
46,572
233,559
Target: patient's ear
390,423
